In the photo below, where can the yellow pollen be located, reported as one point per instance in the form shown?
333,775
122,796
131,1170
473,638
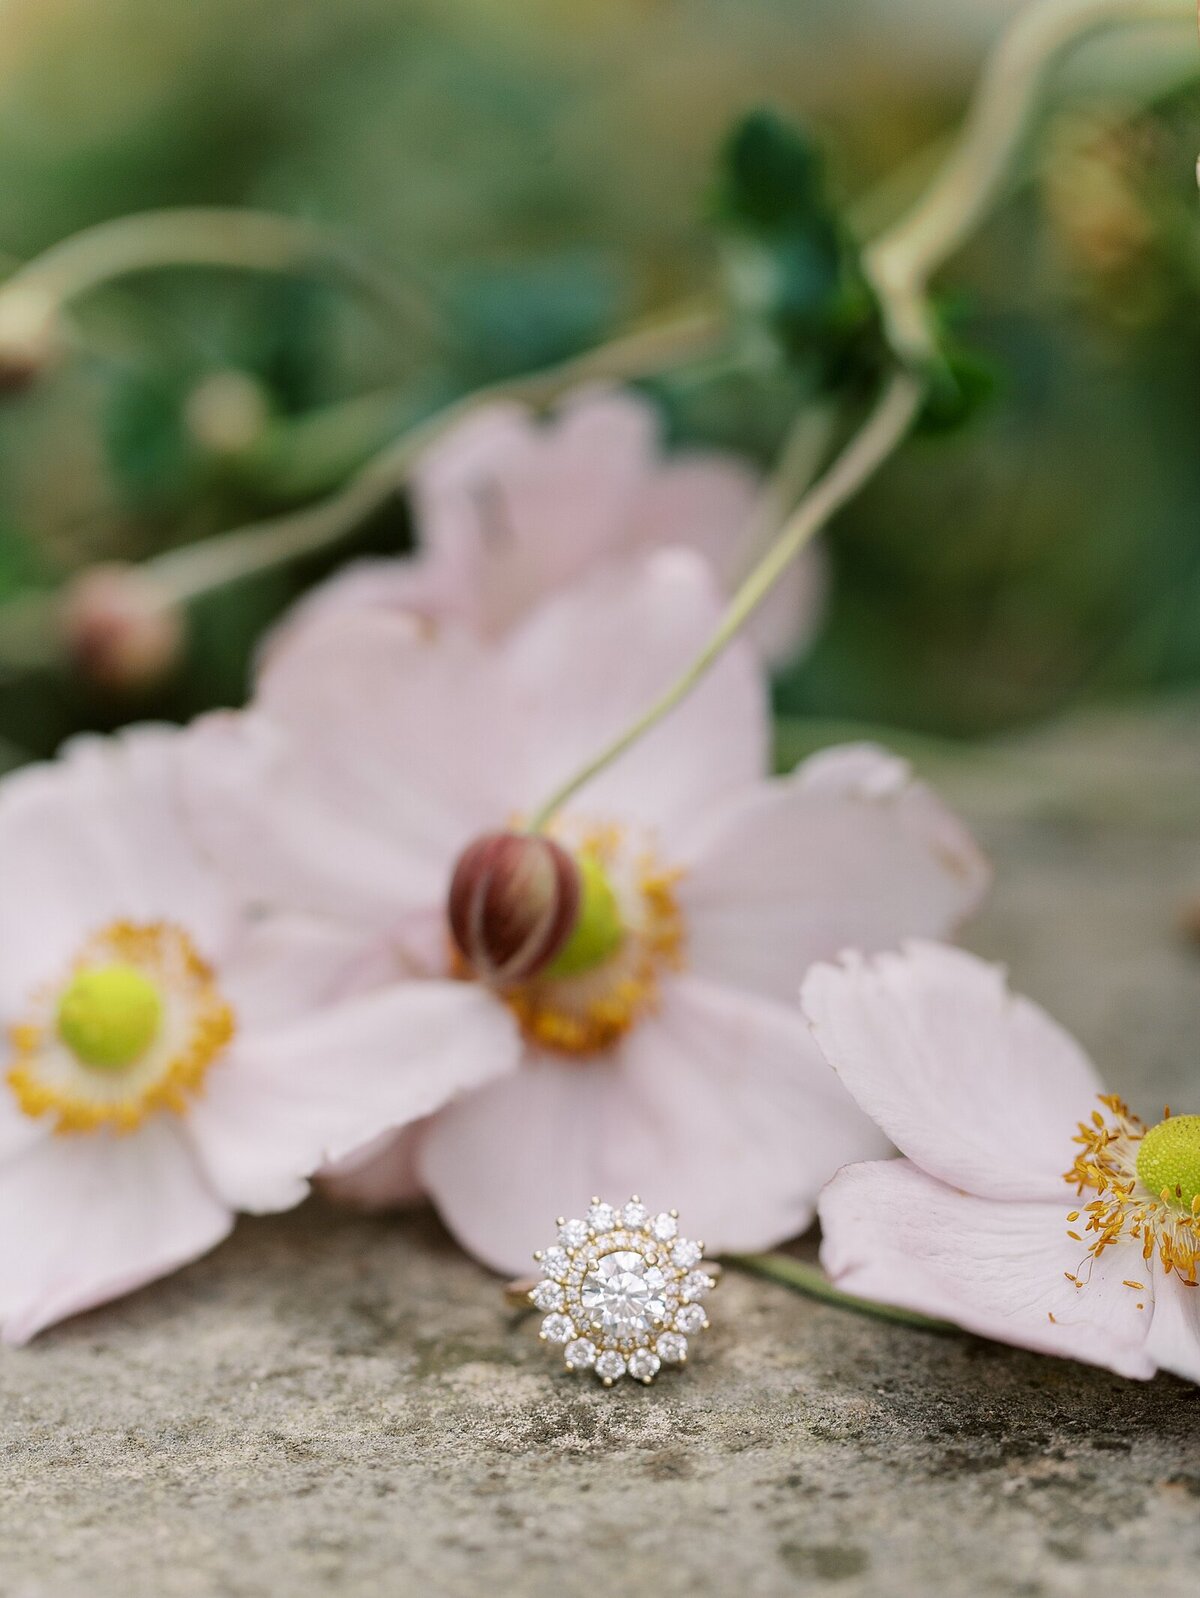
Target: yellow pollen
96,1051
588,1011
1142,1183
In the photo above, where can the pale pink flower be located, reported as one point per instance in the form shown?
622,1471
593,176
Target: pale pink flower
510,508
681,1068
1021,1210
170,1058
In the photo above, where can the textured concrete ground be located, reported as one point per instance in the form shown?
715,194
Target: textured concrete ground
331,1405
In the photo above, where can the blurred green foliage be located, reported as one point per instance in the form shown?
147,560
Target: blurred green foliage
792,261
533,177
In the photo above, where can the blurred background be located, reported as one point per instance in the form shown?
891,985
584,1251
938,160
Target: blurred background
517,180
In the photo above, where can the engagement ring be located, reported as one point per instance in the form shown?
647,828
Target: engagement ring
621,1291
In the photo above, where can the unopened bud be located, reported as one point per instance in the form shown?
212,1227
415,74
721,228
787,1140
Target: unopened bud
226,413
31,338
122,630
514,902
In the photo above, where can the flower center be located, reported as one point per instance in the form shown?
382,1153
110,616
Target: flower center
109,1015
1147,1186
630,931
1168,1161
132,1030
598,931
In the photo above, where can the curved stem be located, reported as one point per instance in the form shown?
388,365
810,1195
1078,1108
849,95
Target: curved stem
188,236
870,447
241,552
974,175
813,1283
27,635
899,265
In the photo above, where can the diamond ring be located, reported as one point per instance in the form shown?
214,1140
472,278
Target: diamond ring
621,1291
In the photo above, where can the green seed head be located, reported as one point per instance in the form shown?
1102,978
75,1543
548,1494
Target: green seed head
598,931
109,1016
1169,1159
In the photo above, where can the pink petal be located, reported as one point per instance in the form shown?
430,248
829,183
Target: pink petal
382,1175
849,852
86,1218
700,501
592,660
519,507
283,966
717,1106
978,1087
376,756
288,1101
1174,1341
709,502
18,1131
411,585
893,1234
93,838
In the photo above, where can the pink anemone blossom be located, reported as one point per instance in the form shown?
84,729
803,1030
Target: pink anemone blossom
1029,1206
679,1067
171,1058
510,508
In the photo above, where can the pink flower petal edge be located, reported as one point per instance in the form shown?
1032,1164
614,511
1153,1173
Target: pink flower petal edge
983,1093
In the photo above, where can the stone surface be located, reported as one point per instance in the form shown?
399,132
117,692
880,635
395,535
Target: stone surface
333,1405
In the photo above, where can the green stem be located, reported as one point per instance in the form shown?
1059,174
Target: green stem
813,1283
243,551
868,449
191,236
28,638
899,264
975,174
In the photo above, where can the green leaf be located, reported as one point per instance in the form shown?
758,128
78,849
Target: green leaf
773,177
791,262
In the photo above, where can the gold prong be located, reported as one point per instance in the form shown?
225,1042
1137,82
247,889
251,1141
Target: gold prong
595,1198
674,1214
561,1220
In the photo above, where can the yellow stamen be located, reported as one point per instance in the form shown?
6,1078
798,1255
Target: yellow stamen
1166,1222
193,1024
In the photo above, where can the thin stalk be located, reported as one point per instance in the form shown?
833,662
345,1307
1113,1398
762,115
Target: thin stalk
190,236
228,557
899,264
813,1283
887,424
976,173
27,624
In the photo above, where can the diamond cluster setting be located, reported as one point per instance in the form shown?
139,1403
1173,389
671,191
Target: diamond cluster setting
622,1291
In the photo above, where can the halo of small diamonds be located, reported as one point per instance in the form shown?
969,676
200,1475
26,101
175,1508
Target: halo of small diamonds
627,1289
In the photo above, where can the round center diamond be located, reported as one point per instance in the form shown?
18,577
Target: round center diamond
623,1294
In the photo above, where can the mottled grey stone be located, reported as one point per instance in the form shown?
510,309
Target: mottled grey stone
333,1405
